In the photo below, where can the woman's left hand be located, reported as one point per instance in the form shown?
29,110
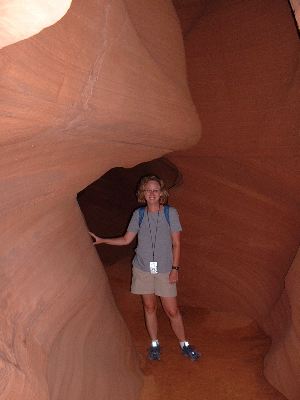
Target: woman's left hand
173,277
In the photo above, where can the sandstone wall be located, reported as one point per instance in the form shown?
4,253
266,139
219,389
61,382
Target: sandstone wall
103,87
95,90
240,195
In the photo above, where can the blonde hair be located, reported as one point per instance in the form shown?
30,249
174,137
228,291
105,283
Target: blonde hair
141,187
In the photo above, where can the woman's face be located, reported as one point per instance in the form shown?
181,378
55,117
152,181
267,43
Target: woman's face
152,192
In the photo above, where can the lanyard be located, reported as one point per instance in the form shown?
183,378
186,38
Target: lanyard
153,242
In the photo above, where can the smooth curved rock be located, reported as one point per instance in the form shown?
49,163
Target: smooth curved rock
283,324
240,197
96,91
89,93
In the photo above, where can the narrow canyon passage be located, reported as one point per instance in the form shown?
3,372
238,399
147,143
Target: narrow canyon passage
238,202
88,86
233,346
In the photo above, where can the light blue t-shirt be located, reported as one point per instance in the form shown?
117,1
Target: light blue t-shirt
154,235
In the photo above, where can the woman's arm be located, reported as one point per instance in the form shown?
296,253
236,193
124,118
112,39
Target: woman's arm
119,241
176,256
176,248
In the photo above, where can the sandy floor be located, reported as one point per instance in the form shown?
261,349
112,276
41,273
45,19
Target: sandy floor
232,350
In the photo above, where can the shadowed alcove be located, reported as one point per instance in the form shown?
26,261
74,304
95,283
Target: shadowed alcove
107,204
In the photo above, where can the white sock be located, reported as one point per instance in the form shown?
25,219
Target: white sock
184,343
154,343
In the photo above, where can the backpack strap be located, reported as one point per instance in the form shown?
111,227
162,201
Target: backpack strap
141,214
166,212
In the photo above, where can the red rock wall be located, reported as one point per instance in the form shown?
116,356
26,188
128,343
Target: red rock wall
240,198
104,87
93,91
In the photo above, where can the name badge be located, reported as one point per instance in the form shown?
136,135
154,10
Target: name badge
153,267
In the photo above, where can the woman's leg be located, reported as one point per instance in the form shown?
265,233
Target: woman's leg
171,309
150,307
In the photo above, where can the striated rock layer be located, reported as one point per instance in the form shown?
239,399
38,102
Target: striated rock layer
240,196
105,86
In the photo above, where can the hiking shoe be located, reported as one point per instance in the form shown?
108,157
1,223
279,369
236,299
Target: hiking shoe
154,353
190,352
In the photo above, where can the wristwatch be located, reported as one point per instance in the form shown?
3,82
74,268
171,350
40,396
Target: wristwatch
176,267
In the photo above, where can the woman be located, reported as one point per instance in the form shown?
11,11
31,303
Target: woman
156,261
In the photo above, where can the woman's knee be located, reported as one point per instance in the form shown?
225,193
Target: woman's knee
172,312
150,308
150,305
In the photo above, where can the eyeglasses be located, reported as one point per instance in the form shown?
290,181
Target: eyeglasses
148,191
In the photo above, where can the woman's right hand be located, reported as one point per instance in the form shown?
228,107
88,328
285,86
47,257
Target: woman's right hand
98,240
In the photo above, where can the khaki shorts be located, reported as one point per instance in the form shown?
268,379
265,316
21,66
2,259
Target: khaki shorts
147,283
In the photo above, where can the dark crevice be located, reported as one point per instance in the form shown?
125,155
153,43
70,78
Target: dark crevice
107,204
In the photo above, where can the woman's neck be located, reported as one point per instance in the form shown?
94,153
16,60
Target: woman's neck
153,207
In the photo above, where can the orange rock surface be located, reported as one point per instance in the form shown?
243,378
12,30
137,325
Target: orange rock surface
95,90
239,194
240,197
105,86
